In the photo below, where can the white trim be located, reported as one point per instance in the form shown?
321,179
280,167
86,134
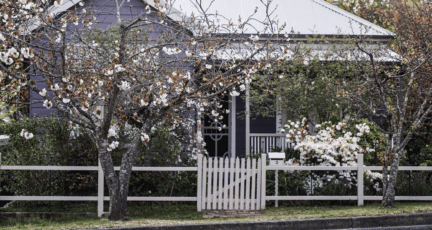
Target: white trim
310,168
411,198
360,181
400,168
94,198
55,10
278,115
233,130
174,14
51,198
267,134
94,168
101,184
247,121
312,197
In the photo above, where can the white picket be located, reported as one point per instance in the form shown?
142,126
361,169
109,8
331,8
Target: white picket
242,184
253,199
204,184
237,182
229,184
248,176
263,180
225,177
209,196
259,185
220,188
215,171
199,184
231,196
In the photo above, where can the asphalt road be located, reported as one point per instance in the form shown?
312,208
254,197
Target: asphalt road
420,227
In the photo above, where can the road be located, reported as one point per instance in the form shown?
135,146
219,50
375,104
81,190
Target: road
420,227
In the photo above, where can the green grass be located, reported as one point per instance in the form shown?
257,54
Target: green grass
187,214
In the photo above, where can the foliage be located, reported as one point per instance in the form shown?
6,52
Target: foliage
375,11
60,143
143,70
51,145
304,86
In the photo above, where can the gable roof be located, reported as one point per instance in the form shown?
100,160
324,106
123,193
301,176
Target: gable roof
304,17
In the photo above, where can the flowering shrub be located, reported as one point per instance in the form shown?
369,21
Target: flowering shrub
333,145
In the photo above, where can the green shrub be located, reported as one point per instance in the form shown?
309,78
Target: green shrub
56,142
51,145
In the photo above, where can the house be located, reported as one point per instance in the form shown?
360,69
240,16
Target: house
304,18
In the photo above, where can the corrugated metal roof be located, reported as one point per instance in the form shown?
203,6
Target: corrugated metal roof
302,16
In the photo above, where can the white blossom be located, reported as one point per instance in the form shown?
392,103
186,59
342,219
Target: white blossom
43,92
55,88
124,85
143,103
254,38
145,137
234,93
27,135
26,53
47,104
119,68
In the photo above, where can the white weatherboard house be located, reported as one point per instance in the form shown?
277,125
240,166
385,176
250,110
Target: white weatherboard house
304,18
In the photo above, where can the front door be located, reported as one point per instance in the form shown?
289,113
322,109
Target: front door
217,141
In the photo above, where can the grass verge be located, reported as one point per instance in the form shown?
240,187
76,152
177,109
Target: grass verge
187,214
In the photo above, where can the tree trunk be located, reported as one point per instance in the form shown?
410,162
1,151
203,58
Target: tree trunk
390,183
118,185
118,203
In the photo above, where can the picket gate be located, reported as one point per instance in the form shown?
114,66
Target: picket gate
231,184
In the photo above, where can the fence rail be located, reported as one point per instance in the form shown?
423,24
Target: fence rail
100,198
360,168
217,181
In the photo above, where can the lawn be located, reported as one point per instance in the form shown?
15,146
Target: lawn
187,214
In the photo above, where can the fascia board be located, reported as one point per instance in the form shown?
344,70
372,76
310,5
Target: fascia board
353,17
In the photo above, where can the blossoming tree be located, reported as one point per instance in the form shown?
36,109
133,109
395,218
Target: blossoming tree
151,64
400,94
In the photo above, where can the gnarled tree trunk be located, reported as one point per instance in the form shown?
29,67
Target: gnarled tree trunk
118,185
389,182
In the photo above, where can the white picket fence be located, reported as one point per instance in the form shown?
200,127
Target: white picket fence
223,183
231,184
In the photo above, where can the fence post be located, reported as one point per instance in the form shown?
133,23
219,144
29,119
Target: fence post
276,188
100,189
263,180
199,184
360,171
